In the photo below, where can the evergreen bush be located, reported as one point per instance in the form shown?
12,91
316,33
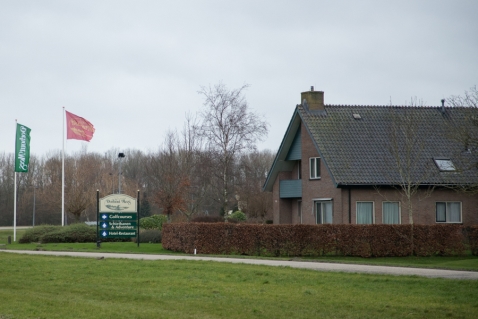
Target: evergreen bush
153,222
150,236
33,235
238,216
75,233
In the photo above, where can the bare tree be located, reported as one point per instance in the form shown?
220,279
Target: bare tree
229,128
82,177
6,188
405,150
252,173
407,171
171,178
468,99
463,128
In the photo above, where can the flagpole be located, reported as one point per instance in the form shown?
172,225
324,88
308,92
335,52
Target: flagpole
63,172
15,192
15,210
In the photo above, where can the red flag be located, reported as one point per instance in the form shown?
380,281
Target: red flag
77,128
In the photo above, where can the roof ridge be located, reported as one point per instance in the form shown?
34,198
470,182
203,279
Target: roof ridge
388,106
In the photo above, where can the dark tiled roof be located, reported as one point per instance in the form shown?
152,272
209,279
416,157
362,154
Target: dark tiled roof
360,151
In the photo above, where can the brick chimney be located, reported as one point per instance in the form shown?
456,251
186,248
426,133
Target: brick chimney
315,99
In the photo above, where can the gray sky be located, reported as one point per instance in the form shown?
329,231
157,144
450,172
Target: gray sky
133,68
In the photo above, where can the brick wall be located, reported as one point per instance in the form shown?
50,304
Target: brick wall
423,203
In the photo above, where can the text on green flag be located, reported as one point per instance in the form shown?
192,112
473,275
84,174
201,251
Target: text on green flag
22,148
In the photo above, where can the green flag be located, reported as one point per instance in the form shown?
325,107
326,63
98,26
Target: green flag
22,148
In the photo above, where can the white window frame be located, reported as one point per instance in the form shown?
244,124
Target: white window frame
322,201
446,213
315,163
399,212
373,211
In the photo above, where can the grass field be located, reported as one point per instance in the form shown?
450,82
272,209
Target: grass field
67,287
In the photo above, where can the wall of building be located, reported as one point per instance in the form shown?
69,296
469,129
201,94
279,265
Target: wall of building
285,211
281,207
322,188
423,204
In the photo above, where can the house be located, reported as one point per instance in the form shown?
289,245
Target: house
374,164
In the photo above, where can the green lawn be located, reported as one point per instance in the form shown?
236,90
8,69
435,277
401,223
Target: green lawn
68,287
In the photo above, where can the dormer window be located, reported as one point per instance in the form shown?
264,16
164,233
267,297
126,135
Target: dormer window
444,164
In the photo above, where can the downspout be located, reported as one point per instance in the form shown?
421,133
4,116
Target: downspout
350,206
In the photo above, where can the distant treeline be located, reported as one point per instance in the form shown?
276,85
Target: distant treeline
175,181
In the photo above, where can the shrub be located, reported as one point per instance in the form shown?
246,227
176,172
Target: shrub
56,236
238,216
153,222
34,234
80,233
314,240
75,233
471,234
150,236
208,219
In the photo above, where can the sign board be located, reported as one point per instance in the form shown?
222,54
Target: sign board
117,216
119,225
117,234
118,203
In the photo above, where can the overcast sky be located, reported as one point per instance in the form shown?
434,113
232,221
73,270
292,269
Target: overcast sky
133,68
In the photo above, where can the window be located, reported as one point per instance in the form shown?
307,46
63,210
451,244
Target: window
314,167
444,165
323,212
448,212
299,170
365,213
391,212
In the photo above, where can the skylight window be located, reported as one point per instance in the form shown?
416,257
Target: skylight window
356,116
445,165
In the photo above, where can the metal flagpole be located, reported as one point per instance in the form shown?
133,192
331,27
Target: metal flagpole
63,173
138,208
15,210
15,191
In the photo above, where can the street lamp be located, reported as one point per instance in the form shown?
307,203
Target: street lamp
120,156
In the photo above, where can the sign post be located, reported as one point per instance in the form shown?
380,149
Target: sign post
118,217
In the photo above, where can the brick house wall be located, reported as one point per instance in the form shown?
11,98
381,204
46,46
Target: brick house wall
285,211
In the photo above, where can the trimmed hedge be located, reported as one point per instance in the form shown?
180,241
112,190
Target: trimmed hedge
315,240
33,235
471,234
208,219
75,233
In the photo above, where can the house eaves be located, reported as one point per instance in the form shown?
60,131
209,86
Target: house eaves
280,164
322,157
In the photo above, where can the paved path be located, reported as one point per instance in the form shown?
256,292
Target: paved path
321,266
